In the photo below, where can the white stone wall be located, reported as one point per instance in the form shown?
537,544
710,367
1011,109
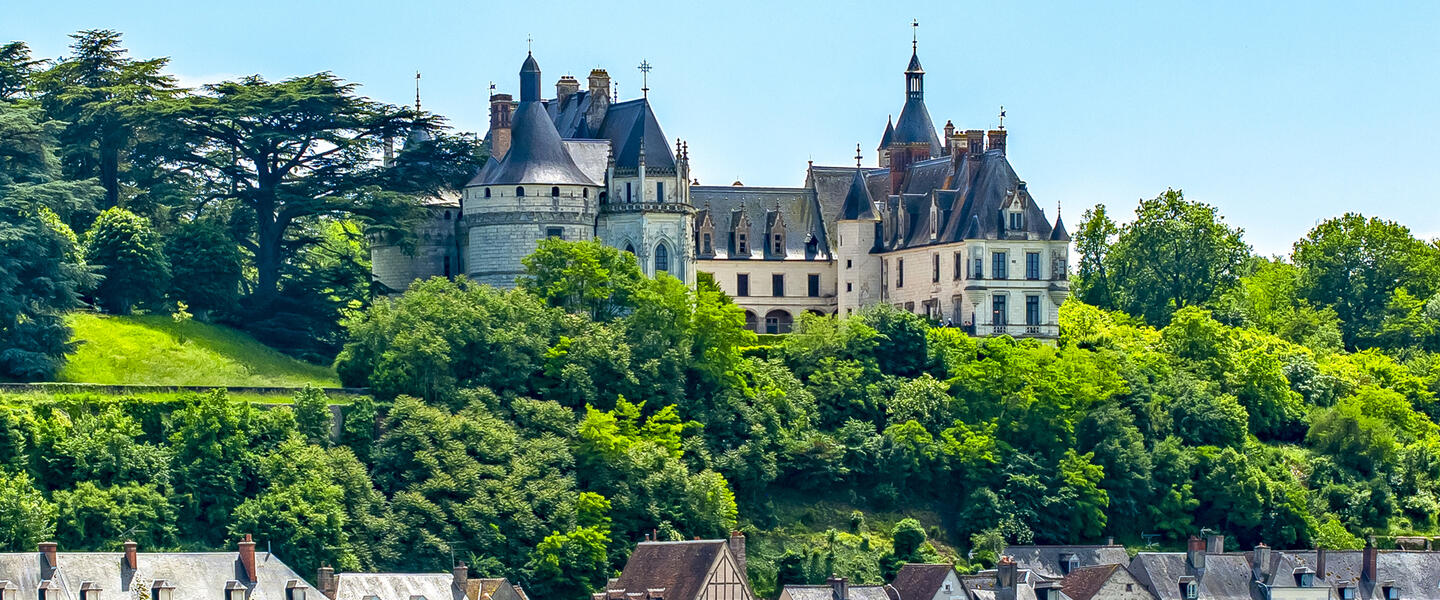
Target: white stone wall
505,227
761,300
396,269
858,269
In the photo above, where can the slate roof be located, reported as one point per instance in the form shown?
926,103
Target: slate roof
1226,576
537,155
625,124
920,581
1058,233
1417,573
915,127
569,115
805,230
397,586
1045,560
592,156
889,133
832,184
856,592
678,567
195,575
858,204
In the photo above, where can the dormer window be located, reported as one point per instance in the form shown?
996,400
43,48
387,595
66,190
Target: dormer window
934,222
161,589
295,590
742,244
89,590
1347,593
49,590
8,590
1192,590
1392,592
234,591
777,243
1068,563
706,243
1017,220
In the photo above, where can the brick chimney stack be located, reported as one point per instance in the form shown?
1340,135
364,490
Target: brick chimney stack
974,143
132,557
461,574
1216,543
51,551
565,87
599,82
737,549
997,140
502,107
326,582
1368,561
1195,553
247,557
839,587
1005,573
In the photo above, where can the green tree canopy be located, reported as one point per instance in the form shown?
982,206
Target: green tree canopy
130,257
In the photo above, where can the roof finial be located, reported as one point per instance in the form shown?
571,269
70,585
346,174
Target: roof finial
529,44
857,155
645,78
417,94
914,35
1002,116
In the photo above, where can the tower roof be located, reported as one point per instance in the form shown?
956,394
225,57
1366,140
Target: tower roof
915,126
530,65
536,153
625,125
914,63
1058,234
889,133
858,204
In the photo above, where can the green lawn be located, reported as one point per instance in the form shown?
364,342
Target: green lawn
156,350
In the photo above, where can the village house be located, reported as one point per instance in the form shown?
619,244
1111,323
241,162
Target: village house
688,570
455,585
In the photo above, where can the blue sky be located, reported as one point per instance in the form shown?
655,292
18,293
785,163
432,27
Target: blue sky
1279,113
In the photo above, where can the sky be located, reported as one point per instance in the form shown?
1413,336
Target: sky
1281,114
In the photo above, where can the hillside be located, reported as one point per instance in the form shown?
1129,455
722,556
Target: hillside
157,350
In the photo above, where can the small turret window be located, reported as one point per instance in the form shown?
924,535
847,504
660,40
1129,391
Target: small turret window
662,259
520,191
555,192
659,191
487,192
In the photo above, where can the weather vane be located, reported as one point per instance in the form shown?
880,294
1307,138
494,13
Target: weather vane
645,78
529,44
857,155
417,92
914,34
1002,116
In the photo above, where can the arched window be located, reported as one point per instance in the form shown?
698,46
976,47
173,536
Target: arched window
629,248
520,191
778,321
487,192
604,197
662,259
751,322
555,191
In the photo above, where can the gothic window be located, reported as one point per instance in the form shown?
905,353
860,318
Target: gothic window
934,222
447,266
662,259
604,197
977,265
742,244
629,248
555,191
520,192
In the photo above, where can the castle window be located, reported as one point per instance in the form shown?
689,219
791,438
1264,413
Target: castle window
604,197
520,192
629,248
585,193
742,286
627,192
849,286
935,268
848,263
555,233
742,243
487,192
777,285
1017,220
705,244
659,191
998,265
959,260
778,244
812,285
1032,265
1032,310
899,273
662,259
555,191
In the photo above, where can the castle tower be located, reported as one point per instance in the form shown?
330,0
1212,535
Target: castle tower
859,228
913,138
534,192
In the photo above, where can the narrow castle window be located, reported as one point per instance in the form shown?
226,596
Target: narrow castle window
705,247
555,191
627,192
935,268
662,259
899,273
585,193
779,244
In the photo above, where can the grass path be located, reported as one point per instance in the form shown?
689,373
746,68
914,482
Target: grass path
156,350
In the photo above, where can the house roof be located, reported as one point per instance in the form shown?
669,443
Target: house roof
1085,582
856,592
536,155
1045,560
1416,572
920,581
195,575
806,236
1226,576
397,586
678,567
625,124
858,204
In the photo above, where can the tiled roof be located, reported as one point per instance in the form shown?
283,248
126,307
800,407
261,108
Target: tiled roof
397,586
1083,583
195,575
920,581
1045,560
680,568
856,592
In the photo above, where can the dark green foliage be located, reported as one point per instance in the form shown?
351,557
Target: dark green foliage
131,258
204,267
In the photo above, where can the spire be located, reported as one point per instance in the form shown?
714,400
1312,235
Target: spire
1058,233
858,205
529,79
889,132
417,94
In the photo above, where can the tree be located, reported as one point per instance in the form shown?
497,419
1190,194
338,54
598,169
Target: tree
42,271
1356,265
574,563
1175,254
131,257
300,507
1093,241
286,153
26,517
586,277
312,415
205,267
101,94
99,518
17,70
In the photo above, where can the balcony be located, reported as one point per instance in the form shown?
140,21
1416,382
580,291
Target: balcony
1050,331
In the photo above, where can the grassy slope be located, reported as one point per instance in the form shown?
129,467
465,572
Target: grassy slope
156,350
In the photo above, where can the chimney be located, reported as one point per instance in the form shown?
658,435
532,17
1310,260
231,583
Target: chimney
460,573
1261,562
949,137
247,557
1319,562
737,550
974,143
1110,541
502,106
1216,543
49,549
1195,553
599,97
132,558
327,583
839,587
997,140
1005,572
1368,561
566,87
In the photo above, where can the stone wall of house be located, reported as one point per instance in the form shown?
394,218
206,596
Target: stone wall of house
761,299
506,227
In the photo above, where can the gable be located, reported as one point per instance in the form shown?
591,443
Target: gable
724,582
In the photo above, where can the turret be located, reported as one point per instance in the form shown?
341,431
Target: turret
860,232
530,80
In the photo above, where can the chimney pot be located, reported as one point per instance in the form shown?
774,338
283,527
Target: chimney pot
1195,553
247,557
461,574
132,558
1216,544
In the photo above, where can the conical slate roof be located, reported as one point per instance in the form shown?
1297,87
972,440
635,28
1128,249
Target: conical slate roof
915,126
858,205
889,133
1058,234
914,64
536,156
